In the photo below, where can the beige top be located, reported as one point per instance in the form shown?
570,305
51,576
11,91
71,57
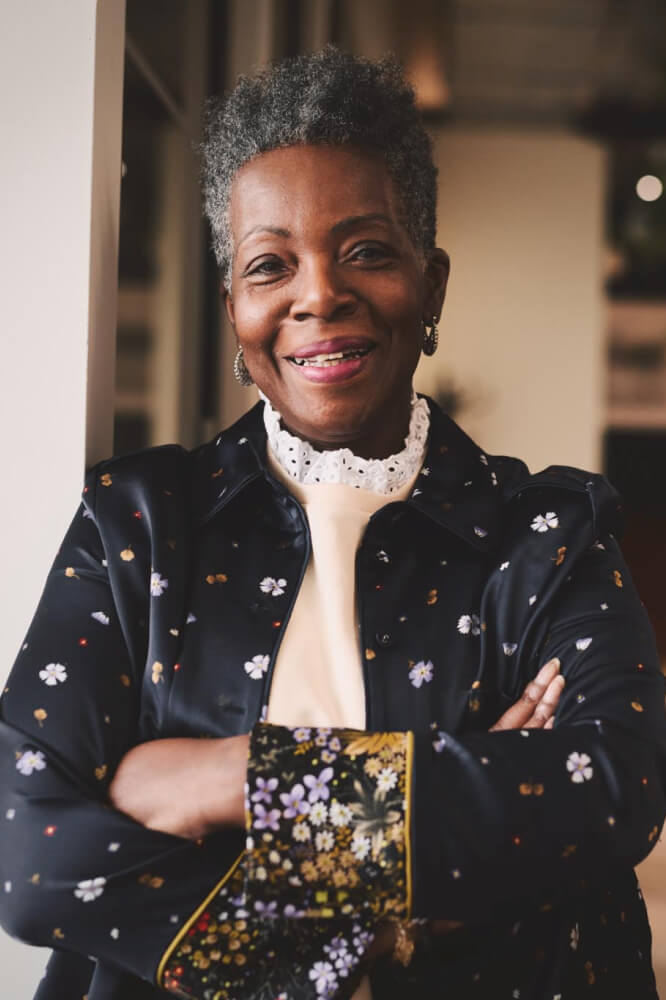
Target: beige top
318,679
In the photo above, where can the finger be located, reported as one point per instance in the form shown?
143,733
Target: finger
550,723
548,704
517,715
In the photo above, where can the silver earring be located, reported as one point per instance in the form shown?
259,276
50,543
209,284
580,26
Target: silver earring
430,337
241,374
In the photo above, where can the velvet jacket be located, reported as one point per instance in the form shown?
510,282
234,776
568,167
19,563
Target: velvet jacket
153,624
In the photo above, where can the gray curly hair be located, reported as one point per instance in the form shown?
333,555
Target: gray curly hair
328,98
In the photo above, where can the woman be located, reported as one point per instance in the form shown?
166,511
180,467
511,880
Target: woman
343,593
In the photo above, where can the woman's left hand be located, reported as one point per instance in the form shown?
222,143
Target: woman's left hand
186,787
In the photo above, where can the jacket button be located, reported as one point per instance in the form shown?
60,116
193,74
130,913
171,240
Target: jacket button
384,639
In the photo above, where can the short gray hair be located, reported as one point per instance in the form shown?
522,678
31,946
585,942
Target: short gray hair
328,98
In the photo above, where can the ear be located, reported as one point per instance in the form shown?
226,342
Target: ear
228,304
437,271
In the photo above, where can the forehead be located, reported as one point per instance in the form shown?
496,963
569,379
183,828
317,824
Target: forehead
310,186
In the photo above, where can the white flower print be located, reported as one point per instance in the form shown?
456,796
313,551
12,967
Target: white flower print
344,963
339,814
269,585
579,766
582,644
90,889
190,618
265,789
469,625
301,734
318,813
158,584
324,840
295,802
257,666
420,672
319,785
383,556
301,832
504,565
101,617
532,600
31,760
509,648
439,743
542,522
574,937
387,779
53,673
480,532
324,978
265,819
360,846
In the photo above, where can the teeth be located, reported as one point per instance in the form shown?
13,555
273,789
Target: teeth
326,360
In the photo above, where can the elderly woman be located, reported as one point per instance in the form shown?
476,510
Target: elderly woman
251,747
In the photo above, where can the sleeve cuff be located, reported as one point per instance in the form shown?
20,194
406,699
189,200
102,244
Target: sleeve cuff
327,820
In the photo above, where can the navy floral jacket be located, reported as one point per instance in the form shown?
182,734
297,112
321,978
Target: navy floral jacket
162,616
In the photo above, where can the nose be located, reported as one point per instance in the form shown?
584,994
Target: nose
320,291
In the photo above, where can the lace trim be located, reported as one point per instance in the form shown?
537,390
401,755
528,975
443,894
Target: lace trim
308,466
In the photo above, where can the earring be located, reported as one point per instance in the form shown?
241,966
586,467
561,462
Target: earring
430,337
241,374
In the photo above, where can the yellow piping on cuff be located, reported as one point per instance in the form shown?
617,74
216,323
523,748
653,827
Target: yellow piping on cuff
195,916
409,762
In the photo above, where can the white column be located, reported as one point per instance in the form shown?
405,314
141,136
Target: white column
521,214
61,72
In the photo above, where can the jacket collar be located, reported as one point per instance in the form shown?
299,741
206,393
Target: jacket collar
459,486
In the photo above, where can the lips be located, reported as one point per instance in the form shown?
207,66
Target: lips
331,353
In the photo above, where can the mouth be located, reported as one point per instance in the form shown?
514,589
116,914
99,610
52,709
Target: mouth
330,354
333,360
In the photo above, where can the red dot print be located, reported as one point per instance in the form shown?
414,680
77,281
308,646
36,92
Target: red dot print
176,666
517,841
276,624
83,641
49,830
379,586
137,514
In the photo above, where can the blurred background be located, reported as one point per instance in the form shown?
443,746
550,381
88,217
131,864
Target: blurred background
548,119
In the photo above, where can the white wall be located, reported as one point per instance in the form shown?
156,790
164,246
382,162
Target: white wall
521,214
60,71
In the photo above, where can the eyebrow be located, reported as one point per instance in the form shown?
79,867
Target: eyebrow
348,223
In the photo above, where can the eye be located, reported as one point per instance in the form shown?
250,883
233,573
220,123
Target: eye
266,267
370,253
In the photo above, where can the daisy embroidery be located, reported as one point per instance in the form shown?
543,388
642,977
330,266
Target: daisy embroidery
31,760
256,667
420,672
269,585
52,674
578,764
360,847
340,814
469,625
90,889
158,584
542,522
386,779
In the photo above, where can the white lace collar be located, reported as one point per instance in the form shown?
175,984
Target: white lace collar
308,466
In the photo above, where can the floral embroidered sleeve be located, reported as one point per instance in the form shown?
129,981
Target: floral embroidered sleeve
327,817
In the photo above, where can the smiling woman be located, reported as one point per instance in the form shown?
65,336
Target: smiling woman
432,709
328,294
